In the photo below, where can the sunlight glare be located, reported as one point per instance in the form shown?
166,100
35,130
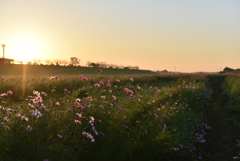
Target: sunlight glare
25,49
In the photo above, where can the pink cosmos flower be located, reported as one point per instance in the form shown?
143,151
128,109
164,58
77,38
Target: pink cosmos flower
69,109
89,98
84,79
97,85
130,91
78,122
43,93
180,145
9,92
118,80
99,71
82,106
101,83
108,85
132,95
131,79
126,89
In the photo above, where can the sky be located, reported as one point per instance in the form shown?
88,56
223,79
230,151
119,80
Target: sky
173,35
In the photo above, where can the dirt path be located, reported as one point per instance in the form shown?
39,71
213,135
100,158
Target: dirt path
221,140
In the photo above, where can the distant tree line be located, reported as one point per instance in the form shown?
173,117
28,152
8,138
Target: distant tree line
74,61
163,71
106,65
230,70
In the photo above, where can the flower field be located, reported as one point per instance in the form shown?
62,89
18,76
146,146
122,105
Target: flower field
97,117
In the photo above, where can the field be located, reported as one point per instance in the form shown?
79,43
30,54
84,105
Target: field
99,116
20,69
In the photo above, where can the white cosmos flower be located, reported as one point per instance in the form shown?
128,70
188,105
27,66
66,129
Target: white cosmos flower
26,119
18,115
29,128
59,135
5,118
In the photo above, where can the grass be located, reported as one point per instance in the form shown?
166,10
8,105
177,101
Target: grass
231,86
125,117
21,69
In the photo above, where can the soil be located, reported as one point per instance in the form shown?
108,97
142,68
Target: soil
221,139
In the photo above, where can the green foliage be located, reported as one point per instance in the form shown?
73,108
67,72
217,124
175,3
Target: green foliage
141,117
231,87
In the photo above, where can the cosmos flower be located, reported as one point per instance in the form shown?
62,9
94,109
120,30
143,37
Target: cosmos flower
97,85
99,71
107,81
84,79
101,83
9,92
132,96
89,98
5,118
78,121
60,136
29,128
130,91
126,89
103,135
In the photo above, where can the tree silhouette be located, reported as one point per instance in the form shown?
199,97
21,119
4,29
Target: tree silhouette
74,61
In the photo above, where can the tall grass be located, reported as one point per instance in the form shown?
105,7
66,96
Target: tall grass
141,117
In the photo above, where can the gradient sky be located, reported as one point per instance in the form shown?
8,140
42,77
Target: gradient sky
191,35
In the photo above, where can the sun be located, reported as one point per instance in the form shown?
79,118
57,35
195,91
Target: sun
25,49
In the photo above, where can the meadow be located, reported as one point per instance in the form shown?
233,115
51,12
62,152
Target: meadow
101,117
26,69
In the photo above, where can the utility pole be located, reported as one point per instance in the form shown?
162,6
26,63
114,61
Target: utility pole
3,46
